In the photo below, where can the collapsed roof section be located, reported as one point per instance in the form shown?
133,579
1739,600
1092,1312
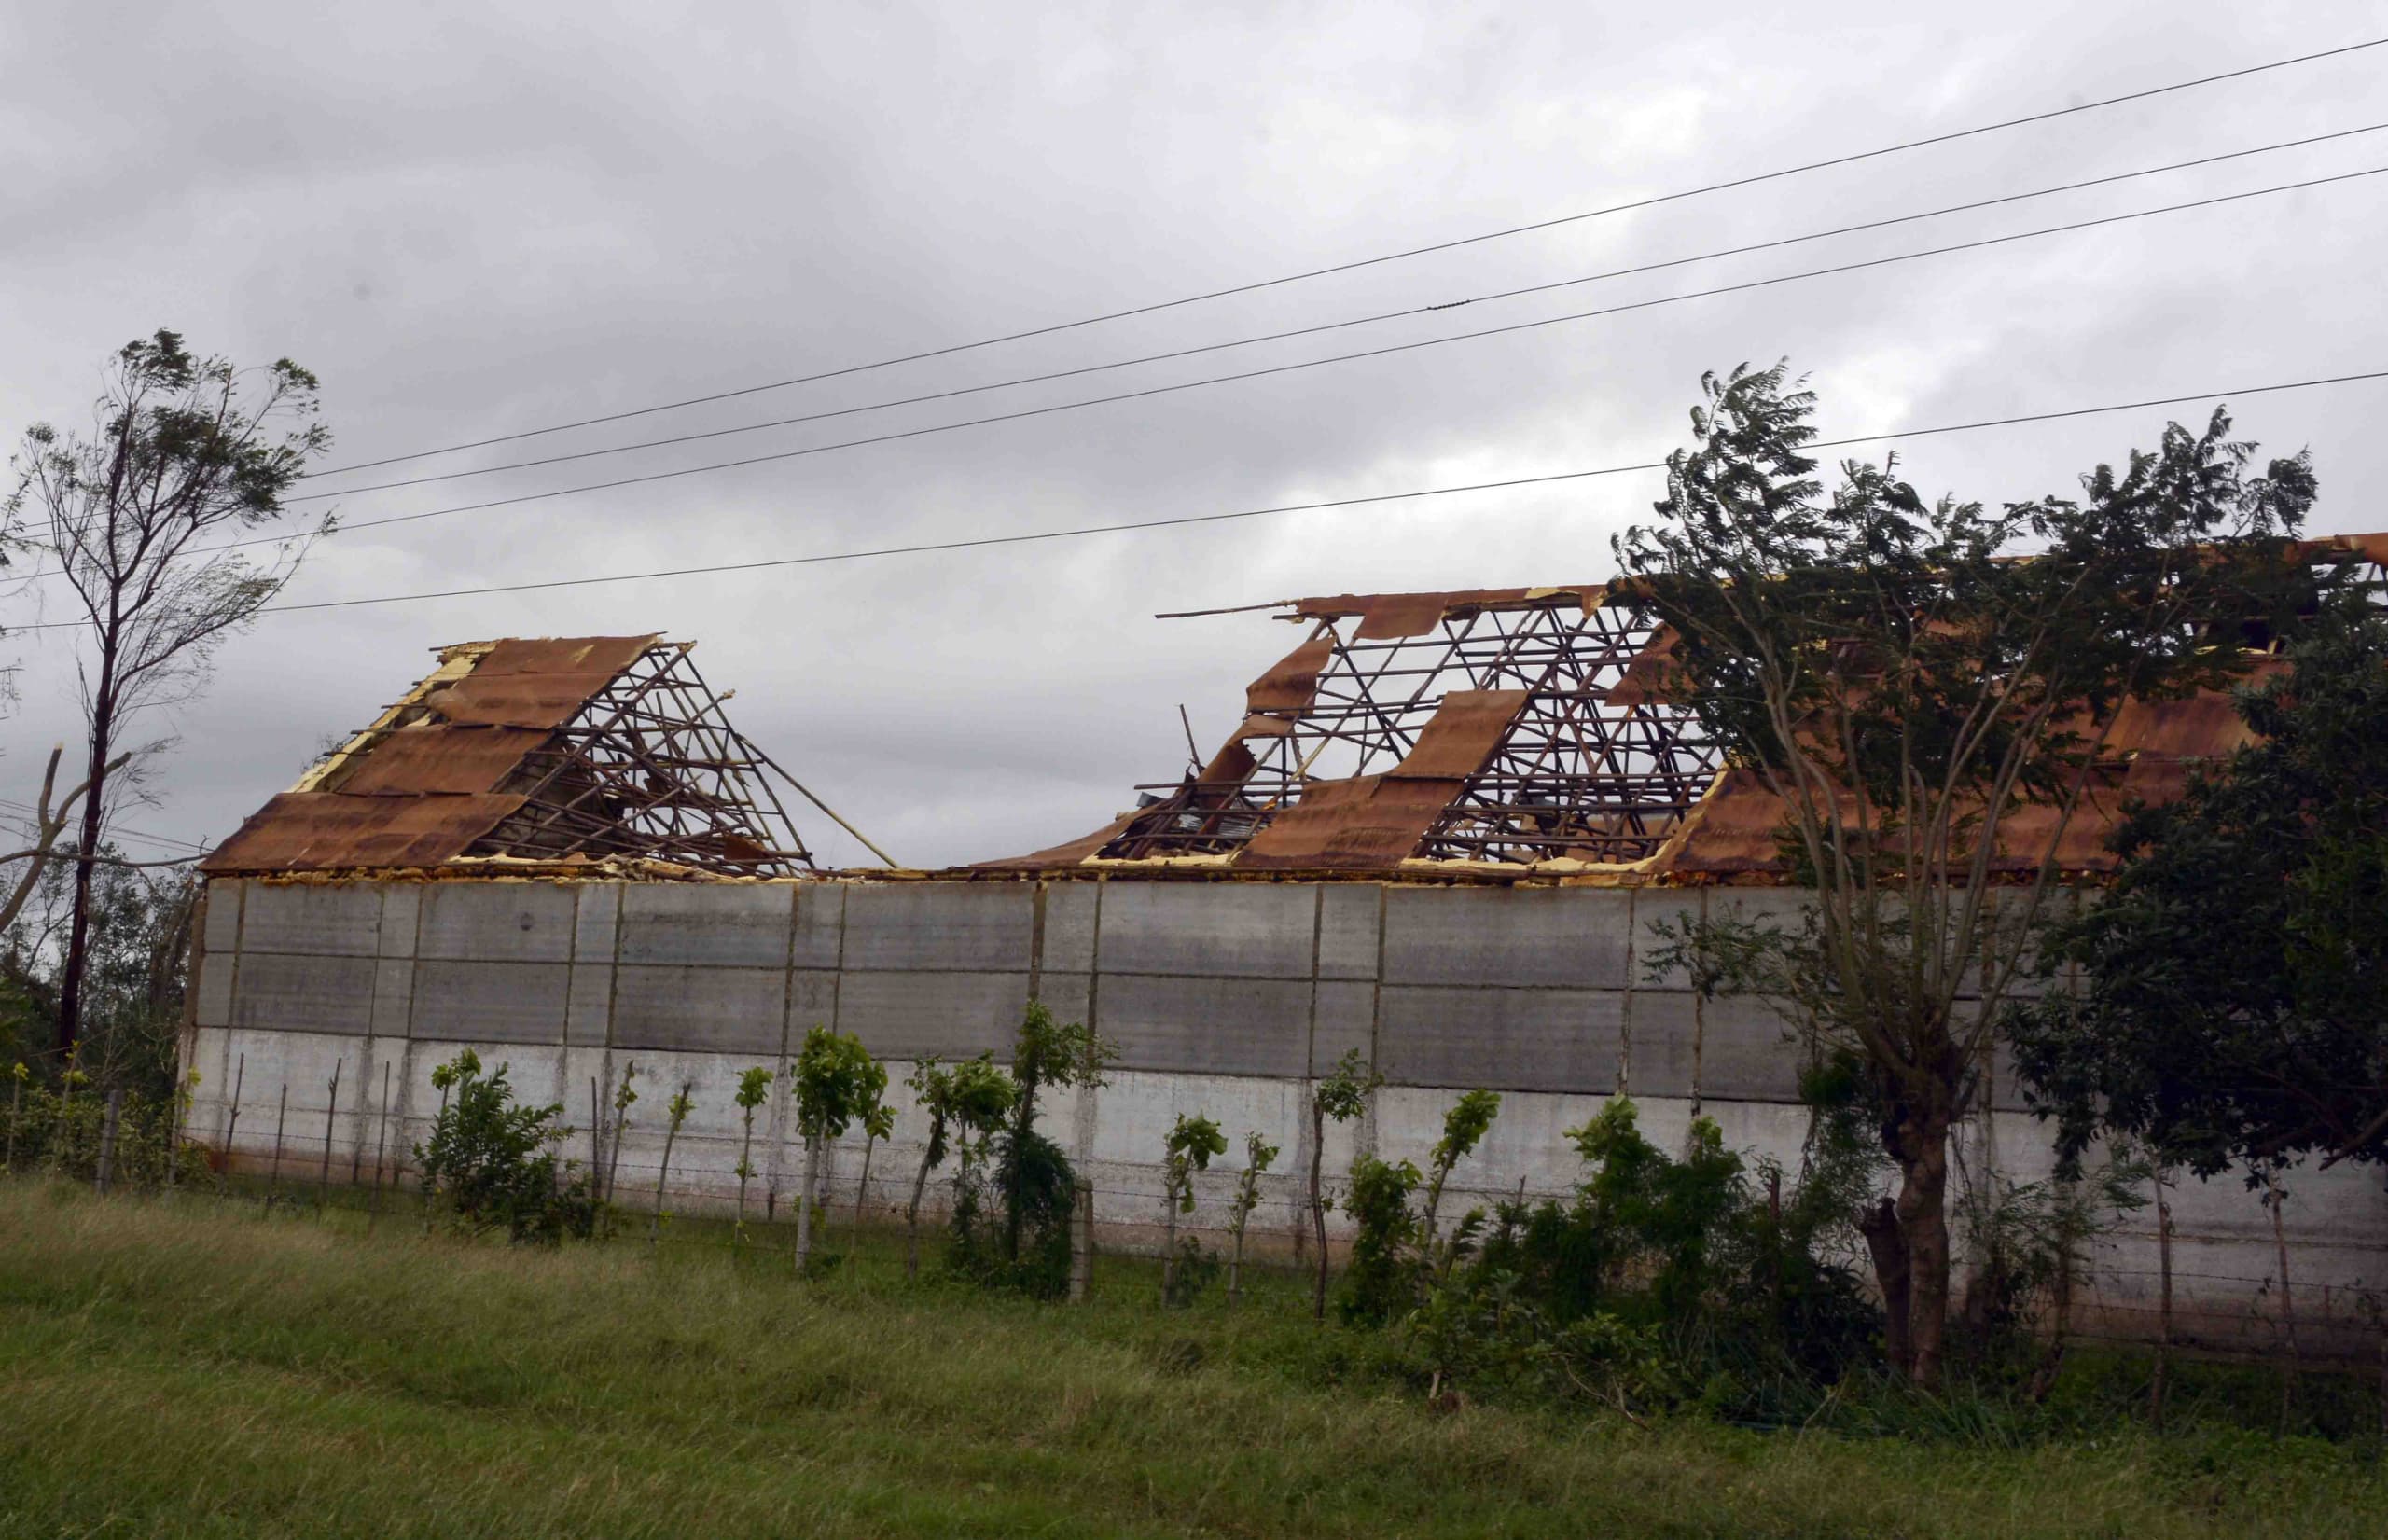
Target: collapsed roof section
568,750
1517,732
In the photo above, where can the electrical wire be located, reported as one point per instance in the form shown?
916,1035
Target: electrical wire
1289,369
1035,536
1652,202
1338,326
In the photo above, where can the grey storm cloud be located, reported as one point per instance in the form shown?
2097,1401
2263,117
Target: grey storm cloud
475,221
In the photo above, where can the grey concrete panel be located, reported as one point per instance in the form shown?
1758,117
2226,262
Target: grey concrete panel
1230,930
491,1002
1548,1040
223,931
1065,995
715,1009
812,1002
951,1015
496,922
1746,1053
1346,1019
401,910
341,920
820,924
1548,936
393,995
595,918
326,994
1660,1031
590,1003
215,1004
707,924
1069,926
1652,908
1347,929
1207,1026
976,927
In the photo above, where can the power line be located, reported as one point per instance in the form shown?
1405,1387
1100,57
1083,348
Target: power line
1338,326
1306,364
117,832
981,541
1374,261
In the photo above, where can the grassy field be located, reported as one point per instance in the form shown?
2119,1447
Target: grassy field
195,1369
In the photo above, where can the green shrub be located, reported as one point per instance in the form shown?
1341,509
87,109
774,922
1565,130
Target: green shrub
491,1161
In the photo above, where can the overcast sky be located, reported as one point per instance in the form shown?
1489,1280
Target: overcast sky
473,220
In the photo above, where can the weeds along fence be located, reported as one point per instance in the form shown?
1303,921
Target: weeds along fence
119,1141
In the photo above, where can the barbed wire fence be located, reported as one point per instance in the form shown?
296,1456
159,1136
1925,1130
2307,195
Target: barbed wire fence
117,1140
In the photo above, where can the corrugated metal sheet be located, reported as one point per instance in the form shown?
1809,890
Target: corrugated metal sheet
426,757
1291,681
1370,822
1461,734
425,789
328,831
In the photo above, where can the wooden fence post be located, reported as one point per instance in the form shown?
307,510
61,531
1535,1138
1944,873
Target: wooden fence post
106,1166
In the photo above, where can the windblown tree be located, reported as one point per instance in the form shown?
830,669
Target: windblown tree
1904,677
2230,998
142,518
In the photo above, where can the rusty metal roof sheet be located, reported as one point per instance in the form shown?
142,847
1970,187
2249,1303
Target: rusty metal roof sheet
1372,821
427,758
1461,734
332,831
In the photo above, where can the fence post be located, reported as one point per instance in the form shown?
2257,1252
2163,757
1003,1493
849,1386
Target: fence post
380,1148
107,1140
2274,1199
16,1114
281,1118
324,1179
232,1126
2157,1386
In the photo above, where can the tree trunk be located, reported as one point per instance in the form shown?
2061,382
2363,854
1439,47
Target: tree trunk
78,931
1318,1210
2164,1307
912,1218
1887,1245
804,1204
655,1222
1923,1219
1082,1239
1169,1241
1235,1260
745,1167
862,1194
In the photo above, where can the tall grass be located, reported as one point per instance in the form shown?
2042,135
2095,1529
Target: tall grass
184,1368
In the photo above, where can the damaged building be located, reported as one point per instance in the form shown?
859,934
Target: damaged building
1440,834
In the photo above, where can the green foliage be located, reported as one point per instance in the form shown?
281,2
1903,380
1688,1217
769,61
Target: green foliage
1035,1189
1383,1282
1463,1128
1343,1094
1192,1141
1888,669
966,1101
1190,1271
837,1082
491,1162
2233,1004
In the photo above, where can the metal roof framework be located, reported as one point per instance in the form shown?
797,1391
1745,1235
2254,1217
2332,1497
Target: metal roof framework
568,750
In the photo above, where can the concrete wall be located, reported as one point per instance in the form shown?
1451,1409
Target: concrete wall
1225,999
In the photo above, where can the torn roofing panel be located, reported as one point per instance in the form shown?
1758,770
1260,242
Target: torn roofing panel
1392,615
427,758
563,654
328,831
1370,821
1461,734
1293,680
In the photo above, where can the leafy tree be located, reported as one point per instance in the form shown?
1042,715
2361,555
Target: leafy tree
1341,1097
837,1081
491,1161
137,955
1381,1283
965,1102
1033,1176
1889,671
878,1123
1464,1127
754,1085
2228,997
1191,1143
185,452
1258,1155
